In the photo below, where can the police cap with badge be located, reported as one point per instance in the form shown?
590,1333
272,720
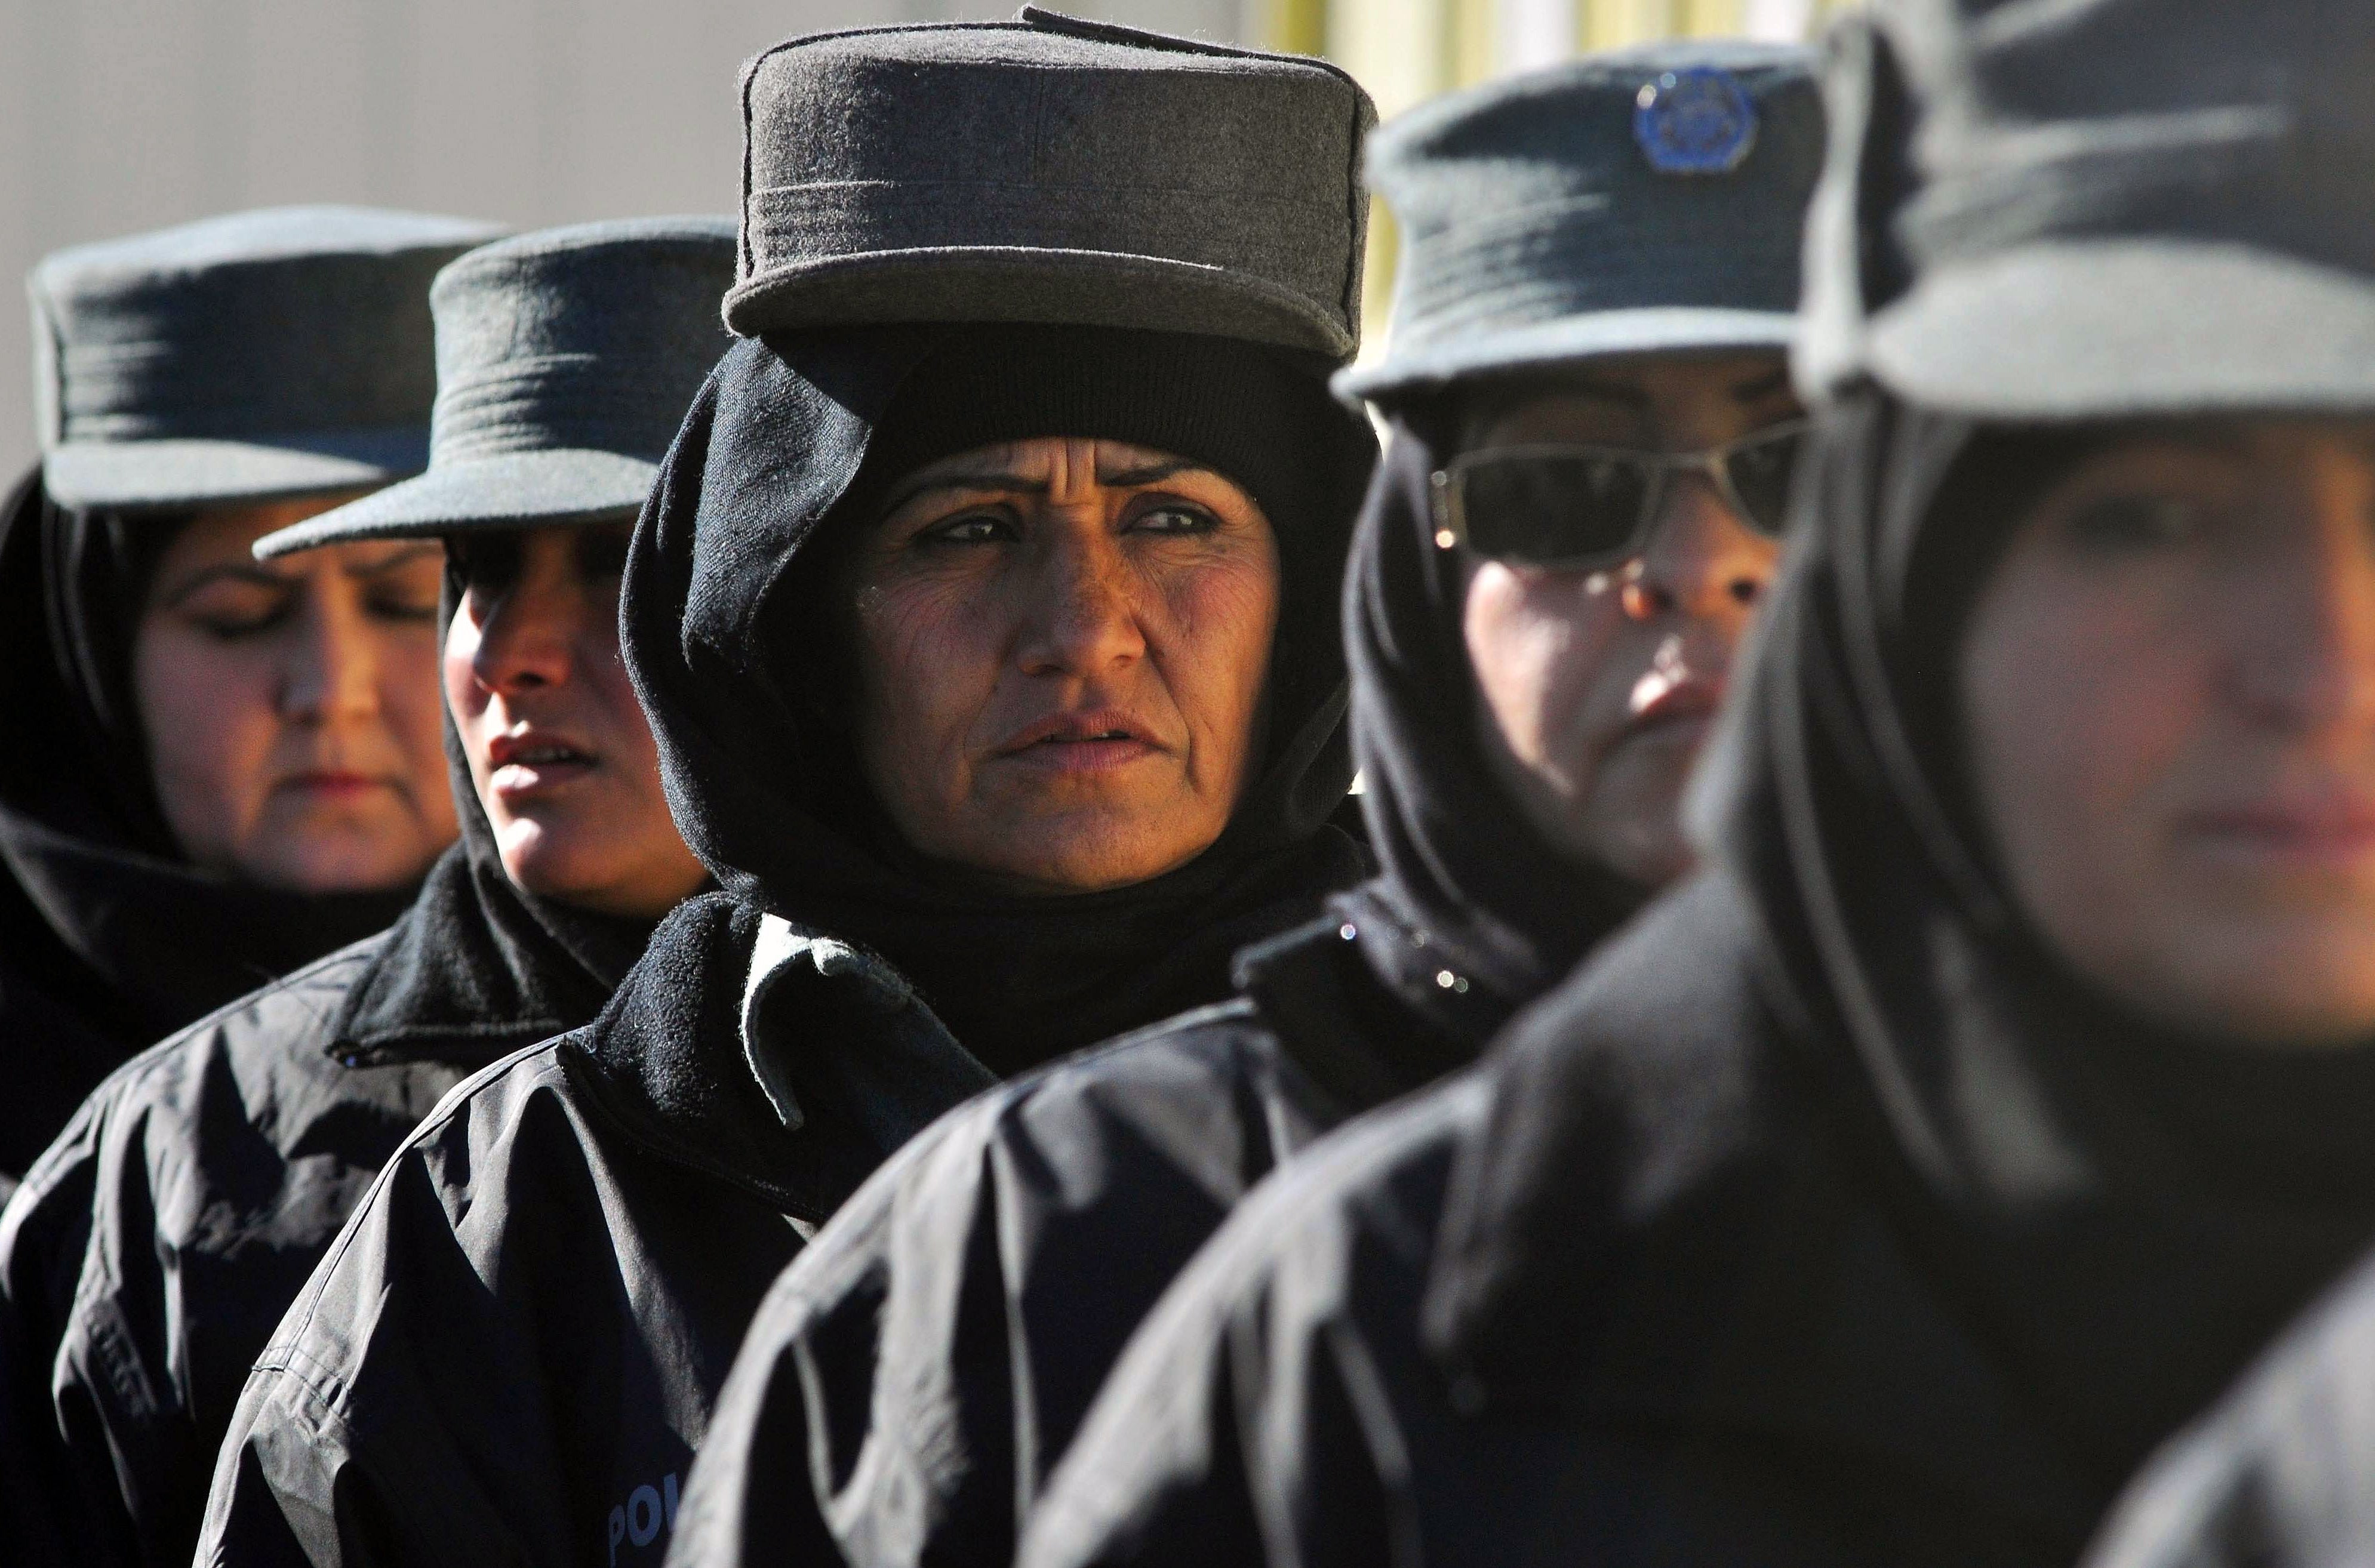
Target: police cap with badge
1645,200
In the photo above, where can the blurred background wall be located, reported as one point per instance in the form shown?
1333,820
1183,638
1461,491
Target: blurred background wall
120,116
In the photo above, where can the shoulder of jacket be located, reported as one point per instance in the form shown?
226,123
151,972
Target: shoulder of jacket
307,996
1378,1178
484,1112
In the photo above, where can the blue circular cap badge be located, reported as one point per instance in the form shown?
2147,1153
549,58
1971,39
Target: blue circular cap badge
1694,122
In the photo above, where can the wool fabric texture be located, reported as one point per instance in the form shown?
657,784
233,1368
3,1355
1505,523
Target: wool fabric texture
1050,169
2177,236
565,360
758,773
1537,233
238,358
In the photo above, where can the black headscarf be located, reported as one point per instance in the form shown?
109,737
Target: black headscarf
2105,1215
478,965
1467,888
720,633
111,939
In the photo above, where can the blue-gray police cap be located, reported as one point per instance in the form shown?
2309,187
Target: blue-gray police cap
566,360
245,358
1648,200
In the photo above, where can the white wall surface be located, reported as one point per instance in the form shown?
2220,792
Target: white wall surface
122,115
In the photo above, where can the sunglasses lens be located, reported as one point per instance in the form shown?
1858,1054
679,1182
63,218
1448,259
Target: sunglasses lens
1552,509
1761,474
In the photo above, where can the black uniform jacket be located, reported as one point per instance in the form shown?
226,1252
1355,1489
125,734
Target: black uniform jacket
1655,1396
155,1245
534,1391
2276,1476
1825,1217
938,1346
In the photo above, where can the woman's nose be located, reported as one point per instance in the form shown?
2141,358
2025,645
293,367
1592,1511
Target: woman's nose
1082,618
333,668
523,642
1702,560
2301,627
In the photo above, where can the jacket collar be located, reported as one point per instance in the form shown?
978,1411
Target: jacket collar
771,1056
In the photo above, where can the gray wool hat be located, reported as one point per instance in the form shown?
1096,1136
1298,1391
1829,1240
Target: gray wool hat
243,358
1051,169
565,362
1639,201
2098,208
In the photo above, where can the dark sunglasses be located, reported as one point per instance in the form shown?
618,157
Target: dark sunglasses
1574,508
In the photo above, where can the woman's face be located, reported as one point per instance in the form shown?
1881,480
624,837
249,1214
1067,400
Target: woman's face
290,706
561,758
1062,646
1598,686
2167,688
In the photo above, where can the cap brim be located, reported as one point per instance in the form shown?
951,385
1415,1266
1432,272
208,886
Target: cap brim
513,489
86,475
1019,284
2115,329
1557,345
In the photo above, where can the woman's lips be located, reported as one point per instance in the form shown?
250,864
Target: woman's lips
334,784
1080,745
520,766
2336,833
1678,708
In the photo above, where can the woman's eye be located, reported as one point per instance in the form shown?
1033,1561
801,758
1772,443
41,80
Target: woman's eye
1176,517
402,606
2136,521
971,528
229,622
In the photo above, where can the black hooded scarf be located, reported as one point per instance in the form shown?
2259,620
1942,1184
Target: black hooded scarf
789,444
2085,1222
108,939
1467,888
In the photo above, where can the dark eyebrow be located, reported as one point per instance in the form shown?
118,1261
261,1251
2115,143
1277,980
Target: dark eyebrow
229,572
995,479
1005,481
1144,474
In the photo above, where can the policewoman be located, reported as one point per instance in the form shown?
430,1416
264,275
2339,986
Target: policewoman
1592,442
159,1241
216,771
983,614
1888,1191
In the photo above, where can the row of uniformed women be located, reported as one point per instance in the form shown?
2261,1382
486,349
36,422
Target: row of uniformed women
1888,1191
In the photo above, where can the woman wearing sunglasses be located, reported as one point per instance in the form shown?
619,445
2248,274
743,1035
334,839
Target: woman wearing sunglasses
1548,584
1885,1193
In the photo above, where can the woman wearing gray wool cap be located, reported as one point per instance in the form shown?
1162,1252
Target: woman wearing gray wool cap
153,1248
1562,312
1887,1191
216,771
983,615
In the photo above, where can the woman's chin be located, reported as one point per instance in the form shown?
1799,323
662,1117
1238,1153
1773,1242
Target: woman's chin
318,867
1075,854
